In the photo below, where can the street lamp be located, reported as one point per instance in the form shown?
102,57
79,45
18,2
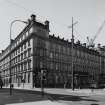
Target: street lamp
10,49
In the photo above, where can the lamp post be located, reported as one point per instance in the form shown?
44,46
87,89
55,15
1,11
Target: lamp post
42,87
10,80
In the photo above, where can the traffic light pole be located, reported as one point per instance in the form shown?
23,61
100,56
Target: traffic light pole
72,60
72,52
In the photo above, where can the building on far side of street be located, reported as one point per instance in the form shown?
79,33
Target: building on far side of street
34,50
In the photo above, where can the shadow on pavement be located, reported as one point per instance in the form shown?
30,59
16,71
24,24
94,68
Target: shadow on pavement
56,97
19,96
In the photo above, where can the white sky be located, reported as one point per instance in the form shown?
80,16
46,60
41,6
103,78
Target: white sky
90,14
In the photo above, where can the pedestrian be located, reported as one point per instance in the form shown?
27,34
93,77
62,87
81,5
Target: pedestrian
65,83
1,83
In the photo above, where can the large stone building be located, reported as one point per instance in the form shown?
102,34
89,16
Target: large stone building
34,49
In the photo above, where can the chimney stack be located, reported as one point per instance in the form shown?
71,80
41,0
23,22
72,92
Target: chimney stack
47,24
33,17
103,47
99,45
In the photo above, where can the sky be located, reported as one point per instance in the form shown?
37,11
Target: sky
90,15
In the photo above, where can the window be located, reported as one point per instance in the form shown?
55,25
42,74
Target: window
26,33
16,52
56,55
25,66
21,48
29,52
56,66
16,69
29,43
21,37
41,52
64,51
25,54
25,46
28,77
51,55
29,64
51,65
17,42
19,67
41,64
22,67
78,53
24,77
22,56
18,58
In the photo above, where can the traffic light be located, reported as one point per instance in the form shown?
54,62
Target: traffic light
44,74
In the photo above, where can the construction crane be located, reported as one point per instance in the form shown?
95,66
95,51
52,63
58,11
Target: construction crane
90,42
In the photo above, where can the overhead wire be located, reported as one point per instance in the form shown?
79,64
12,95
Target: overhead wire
33,12
18,5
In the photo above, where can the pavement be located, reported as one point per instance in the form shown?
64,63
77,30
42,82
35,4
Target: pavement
69,91
56,96
39,103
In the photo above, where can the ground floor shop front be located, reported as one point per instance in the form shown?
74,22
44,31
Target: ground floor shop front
56,80
64,80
